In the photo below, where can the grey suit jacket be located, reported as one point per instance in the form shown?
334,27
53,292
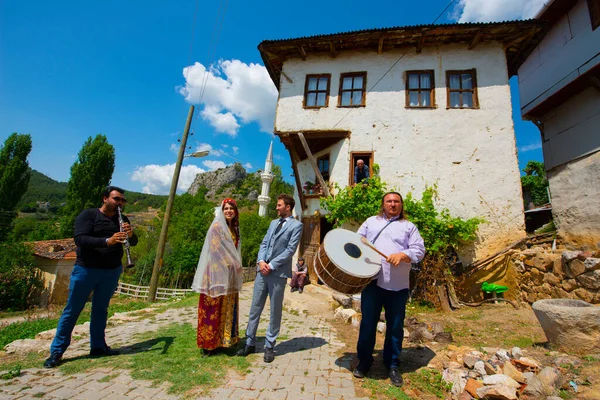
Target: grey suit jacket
279,249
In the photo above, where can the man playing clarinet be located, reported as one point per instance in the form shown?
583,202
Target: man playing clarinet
99,238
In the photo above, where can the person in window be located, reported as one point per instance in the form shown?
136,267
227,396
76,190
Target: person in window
299,276
218,279
361,171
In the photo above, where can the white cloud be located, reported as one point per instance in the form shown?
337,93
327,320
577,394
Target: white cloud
248,166
235,149
214,165
277,157
174,148
530,147
157,178
224,146
497,10
235,94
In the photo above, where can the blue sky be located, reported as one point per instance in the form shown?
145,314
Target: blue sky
71,69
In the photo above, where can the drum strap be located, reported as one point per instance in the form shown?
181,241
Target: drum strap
386,225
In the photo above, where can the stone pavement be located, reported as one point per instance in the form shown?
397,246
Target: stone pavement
307,365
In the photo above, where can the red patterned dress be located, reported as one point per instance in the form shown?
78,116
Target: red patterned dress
218,320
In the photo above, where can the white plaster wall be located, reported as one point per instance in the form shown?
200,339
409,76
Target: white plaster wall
469,154
568,50
575,189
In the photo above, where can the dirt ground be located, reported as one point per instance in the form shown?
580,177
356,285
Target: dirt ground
490,326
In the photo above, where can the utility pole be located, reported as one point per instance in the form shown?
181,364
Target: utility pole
158,261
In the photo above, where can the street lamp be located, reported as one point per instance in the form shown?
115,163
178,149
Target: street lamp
162,240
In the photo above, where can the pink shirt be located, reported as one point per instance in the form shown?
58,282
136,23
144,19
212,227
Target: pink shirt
400,236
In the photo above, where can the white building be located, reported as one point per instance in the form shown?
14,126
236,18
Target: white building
429,104
559,86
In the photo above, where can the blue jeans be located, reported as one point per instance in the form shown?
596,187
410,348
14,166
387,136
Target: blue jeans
84,281
373,298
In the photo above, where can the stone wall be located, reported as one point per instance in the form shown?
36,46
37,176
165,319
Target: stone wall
545,274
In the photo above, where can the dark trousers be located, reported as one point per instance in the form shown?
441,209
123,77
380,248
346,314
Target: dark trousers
84,281
373,298
298,281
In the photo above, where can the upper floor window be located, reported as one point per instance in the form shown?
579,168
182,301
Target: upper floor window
316,91
594,8
323,164
462,89
353,89
420,89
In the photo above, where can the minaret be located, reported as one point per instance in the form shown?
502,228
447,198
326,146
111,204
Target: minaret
267,178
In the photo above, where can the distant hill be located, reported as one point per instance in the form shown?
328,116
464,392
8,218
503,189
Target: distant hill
46,189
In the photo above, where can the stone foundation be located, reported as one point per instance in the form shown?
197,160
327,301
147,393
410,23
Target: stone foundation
545,274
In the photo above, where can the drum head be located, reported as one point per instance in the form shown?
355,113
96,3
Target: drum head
346,250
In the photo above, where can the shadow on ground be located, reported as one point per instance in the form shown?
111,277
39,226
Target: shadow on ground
411,359
146,345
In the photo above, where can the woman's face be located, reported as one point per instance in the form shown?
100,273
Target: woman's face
229,212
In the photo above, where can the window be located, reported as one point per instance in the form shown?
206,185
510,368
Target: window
420,89
594,8
366,157
323,164
462,89
352,89
316,91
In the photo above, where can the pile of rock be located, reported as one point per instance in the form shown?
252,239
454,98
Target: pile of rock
545,274
501,374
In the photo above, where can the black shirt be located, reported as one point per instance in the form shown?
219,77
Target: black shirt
92,228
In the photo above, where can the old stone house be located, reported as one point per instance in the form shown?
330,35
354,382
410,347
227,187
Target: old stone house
559,84
429,104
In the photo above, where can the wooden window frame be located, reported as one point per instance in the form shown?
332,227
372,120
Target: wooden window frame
473,73
328,158
359,154
594,11
306,91
362,74
431,90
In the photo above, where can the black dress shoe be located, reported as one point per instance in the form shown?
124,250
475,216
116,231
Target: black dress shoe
247,350
269,354
103,352
53,360
396,377
360,371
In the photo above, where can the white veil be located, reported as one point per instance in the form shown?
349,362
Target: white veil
219,269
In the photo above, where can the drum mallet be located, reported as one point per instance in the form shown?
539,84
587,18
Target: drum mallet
371,245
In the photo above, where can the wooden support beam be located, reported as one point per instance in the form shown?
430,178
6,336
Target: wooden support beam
332,49
380,46
420,43
287,78
475,40
302,52
313,163
295,158
595,81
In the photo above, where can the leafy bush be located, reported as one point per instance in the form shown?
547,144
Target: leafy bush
535,183
20,282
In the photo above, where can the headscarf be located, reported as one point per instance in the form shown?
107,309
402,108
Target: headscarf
219,269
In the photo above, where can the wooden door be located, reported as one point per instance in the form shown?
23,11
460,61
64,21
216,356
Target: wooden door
311,237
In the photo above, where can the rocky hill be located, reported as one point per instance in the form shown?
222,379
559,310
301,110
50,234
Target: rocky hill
232,180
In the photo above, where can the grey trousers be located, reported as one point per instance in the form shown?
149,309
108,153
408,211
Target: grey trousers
274,287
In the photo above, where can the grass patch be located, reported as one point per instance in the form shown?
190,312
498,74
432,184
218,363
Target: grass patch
382,389
169,355
28,329
520,341
474,316
429,380
419,307
108,378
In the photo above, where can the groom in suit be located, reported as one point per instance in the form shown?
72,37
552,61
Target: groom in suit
275,266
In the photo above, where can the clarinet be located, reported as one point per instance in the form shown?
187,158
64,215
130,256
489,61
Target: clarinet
130,263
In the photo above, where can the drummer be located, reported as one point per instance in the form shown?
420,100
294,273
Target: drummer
400,240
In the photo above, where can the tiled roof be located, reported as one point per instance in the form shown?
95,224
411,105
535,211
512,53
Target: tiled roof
55,249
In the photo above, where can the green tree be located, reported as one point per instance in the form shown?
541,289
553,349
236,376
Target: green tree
278,186
252,230
535,183
14,178
90,175
20,282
